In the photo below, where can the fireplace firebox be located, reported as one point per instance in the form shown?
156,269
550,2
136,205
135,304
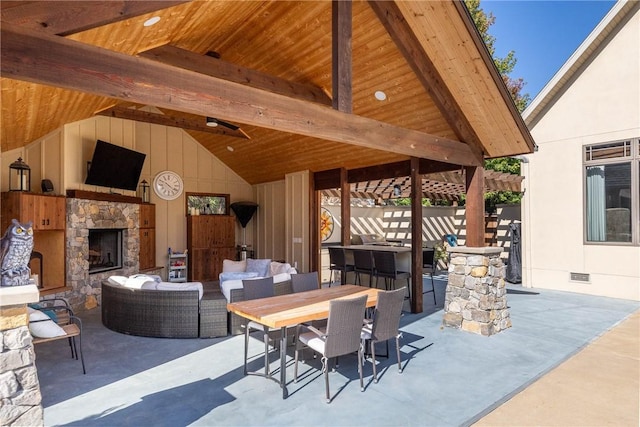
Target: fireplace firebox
105,250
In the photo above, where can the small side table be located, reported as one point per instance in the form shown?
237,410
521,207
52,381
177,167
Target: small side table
213,314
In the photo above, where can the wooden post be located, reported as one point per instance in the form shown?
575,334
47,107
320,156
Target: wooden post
314,225
345,208
474,207
341,55
416,237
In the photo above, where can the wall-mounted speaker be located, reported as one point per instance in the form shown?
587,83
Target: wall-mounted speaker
47,186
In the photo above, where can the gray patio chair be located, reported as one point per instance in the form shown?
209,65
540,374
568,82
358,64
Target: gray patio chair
429,267
338,262
384,325
302,282
342,336
255,289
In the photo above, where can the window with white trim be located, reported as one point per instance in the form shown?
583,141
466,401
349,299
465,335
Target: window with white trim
612,192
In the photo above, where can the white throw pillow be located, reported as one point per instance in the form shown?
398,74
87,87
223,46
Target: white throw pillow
184,286
41,325
279,268
117,280
230,266
136,282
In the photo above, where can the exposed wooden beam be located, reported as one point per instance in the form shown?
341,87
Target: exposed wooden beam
221,69
68,17
167,120
56,61
397,170
391,17
341,28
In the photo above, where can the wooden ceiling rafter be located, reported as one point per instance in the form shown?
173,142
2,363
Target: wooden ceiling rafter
219,68
391,17
191,123
52,60
68,17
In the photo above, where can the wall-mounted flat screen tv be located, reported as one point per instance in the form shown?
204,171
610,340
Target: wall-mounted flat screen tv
115,167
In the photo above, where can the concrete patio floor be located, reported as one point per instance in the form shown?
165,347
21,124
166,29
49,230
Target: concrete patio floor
450,377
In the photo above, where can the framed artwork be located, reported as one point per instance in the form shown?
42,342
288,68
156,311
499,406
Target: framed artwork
326,224
207,204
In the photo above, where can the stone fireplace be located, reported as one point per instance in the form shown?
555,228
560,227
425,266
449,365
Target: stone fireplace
100,218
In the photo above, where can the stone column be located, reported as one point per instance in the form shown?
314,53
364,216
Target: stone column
476,296
20,398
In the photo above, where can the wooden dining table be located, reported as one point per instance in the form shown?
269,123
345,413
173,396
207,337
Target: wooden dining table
284,311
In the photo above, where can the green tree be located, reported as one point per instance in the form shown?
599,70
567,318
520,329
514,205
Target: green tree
515,86
504,65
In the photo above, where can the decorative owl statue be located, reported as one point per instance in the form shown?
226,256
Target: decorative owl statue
15,251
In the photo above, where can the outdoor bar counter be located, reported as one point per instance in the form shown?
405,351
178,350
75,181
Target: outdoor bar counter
403,256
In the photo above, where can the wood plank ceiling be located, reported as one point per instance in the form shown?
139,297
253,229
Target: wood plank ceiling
290,41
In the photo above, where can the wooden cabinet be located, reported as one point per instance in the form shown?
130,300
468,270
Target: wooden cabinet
147,236
46,212
210,240
48,215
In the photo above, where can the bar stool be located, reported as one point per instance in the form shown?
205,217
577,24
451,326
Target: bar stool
364,264
386,267
338,262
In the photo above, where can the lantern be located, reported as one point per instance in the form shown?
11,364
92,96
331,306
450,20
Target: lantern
19,176
144,191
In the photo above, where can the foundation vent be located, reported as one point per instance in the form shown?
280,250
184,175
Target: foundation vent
580,277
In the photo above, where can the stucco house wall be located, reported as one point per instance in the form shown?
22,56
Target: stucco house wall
598,102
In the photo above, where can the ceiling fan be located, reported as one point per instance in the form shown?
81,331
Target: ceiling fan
213,122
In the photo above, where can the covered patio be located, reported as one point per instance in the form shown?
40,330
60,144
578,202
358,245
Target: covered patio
309,96
449,378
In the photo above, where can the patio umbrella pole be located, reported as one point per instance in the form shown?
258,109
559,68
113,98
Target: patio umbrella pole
243,249
244,211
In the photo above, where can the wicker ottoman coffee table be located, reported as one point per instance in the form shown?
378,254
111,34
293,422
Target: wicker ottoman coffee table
213,314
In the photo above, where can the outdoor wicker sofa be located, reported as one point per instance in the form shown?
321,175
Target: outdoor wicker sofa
163,313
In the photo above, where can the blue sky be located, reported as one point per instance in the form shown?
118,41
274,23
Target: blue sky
542,33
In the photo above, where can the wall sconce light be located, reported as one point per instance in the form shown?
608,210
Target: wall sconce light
144,191
397,191
19,176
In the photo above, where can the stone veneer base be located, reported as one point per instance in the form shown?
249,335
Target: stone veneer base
476,296
20,397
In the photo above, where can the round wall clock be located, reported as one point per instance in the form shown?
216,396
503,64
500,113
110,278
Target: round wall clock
168,185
